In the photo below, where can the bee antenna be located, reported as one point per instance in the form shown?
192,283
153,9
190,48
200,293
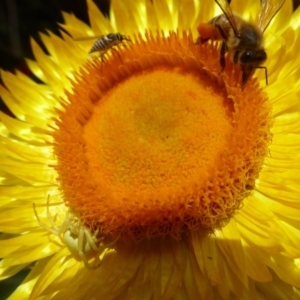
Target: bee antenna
125,38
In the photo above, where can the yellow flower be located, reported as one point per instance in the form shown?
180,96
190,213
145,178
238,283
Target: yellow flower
150,174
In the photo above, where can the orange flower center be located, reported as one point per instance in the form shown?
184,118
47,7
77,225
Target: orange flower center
145,144
158,142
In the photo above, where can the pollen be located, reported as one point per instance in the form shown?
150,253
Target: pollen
160,142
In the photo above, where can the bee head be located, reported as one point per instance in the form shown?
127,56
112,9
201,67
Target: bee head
253,56
123,37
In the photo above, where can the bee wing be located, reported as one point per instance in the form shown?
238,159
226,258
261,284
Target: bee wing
225,6
269,8
89,38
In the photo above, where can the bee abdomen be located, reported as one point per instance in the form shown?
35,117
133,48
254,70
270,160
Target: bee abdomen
102,44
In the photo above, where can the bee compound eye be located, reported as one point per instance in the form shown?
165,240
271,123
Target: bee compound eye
253,56
262,55
247,56
110,36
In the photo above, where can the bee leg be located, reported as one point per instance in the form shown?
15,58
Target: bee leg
222,32
200,40
116,51
248,71
223,46
222,55
245,77
102,60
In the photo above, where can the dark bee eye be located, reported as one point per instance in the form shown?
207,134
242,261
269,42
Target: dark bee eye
110,36
247,56
253,56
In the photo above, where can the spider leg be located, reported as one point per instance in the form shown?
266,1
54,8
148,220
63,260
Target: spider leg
85,261
54,231
91,241
94,237
81,253
95,234
50,217
64,226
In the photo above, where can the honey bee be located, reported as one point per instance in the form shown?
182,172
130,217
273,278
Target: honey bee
241,39
105,43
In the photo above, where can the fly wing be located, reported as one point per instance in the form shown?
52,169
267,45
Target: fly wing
225,6
269,8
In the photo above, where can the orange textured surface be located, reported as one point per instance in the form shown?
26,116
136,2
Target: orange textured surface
160,143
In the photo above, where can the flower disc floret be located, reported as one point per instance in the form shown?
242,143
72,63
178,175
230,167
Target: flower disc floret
157,143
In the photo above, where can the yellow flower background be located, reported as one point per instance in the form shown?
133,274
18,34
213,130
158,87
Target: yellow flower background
255,256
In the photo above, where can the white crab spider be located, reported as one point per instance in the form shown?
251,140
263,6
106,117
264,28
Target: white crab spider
76,236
